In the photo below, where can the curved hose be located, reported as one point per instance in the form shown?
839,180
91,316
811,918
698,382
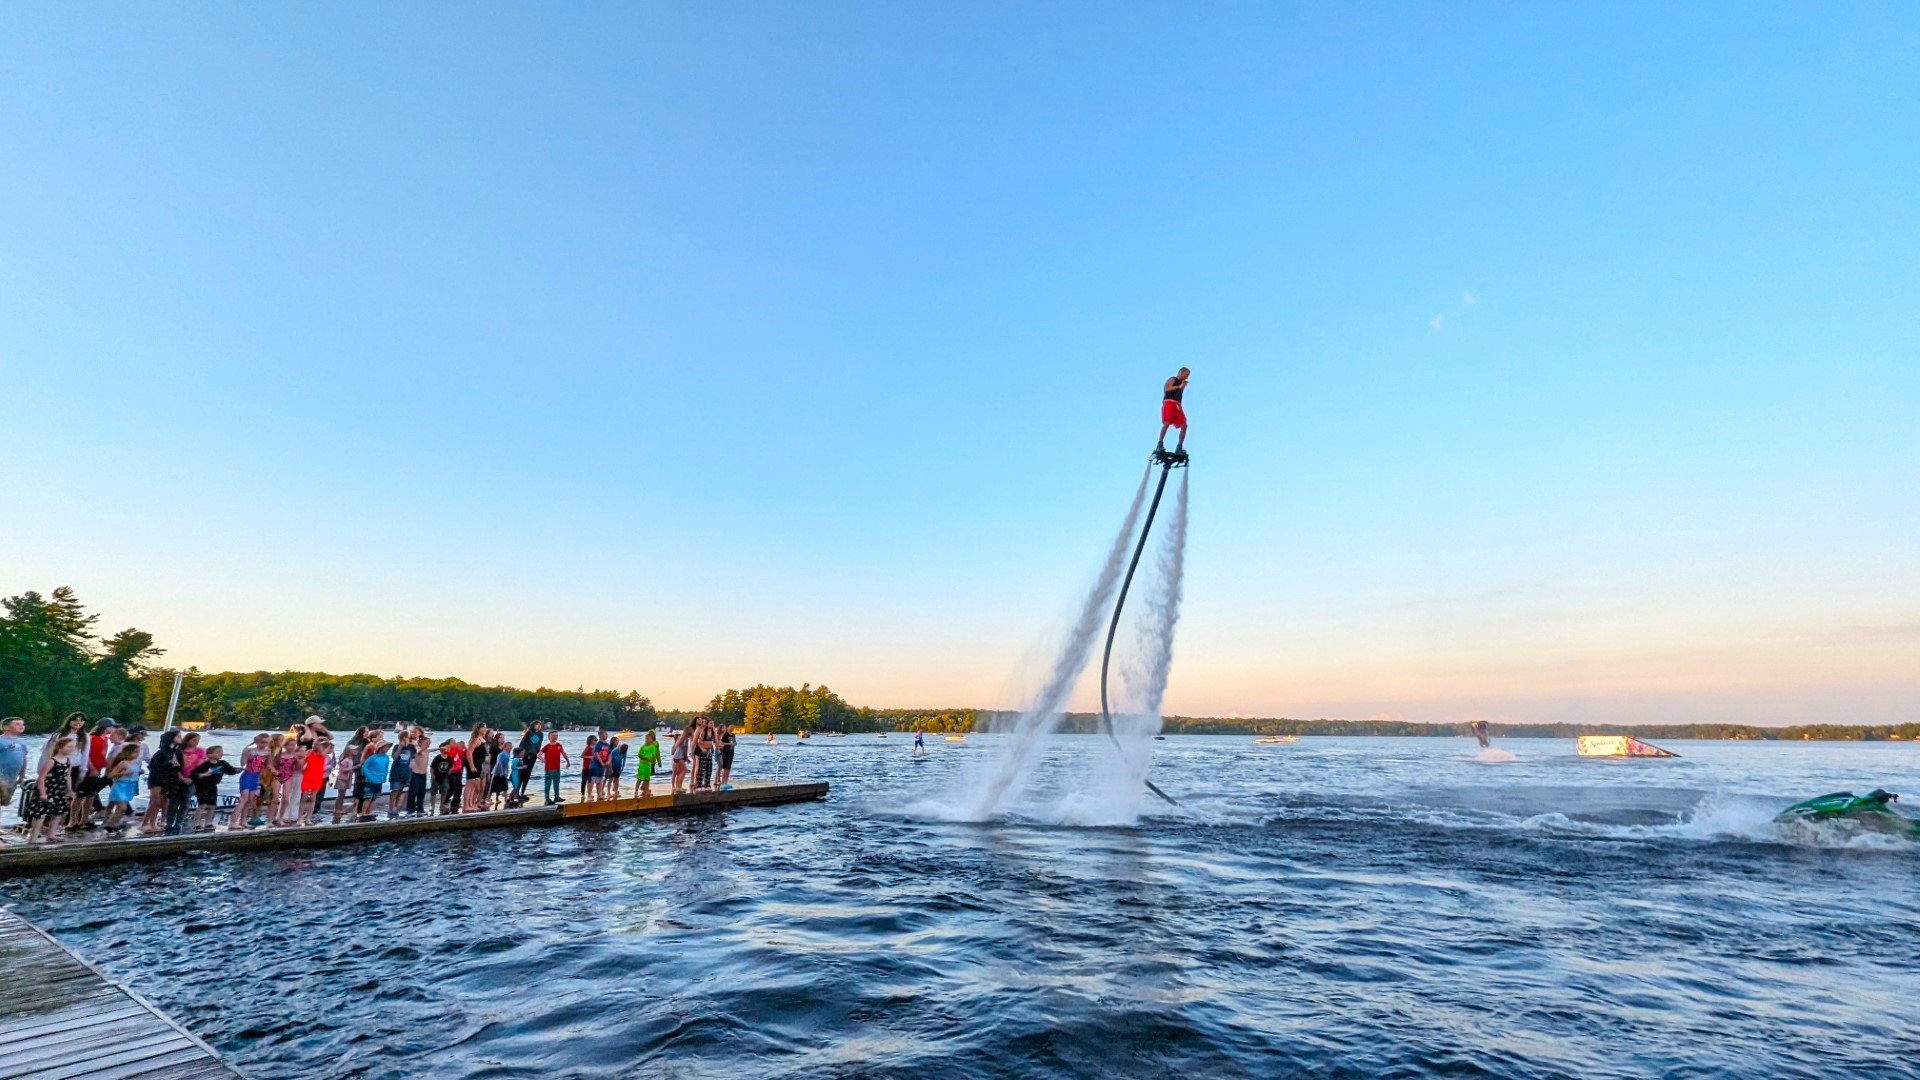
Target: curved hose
1106,655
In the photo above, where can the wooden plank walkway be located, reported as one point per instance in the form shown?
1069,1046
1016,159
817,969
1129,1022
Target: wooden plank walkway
61,1018
20,859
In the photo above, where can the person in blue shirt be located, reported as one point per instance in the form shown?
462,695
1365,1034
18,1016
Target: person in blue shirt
617,765
13,757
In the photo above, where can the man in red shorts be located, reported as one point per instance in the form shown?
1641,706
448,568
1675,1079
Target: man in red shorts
1171,414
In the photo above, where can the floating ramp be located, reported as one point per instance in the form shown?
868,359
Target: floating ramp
1618,746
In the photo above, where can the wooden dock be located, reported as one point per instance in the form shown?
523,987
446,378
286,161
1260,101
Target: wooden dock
17,858
61,1018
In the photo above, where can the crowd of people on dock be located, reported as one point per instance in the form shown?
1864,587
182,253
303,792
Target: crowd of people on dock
88,776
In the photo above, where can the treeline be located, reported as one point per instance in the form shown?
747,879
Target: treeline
762,709
53,663
262,699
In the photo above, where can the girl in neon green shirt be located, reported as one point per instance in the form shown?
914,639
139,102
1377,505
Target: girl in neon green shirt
646,759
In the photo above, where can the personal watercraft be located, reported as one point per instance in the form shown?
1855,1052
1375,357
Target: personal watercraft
1874,810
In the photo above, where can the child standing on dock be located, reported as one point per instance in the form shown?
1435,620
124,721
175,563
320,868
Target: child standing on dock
417,776
456,759
206,776
590,770
616,765
190,753
376,763
501,784
440,771
49,796
253,758
402,776
75,762
269,782
552,755
474,795
648,758
681,753
346,773
289,766
313,778
586,768
723,775
123,783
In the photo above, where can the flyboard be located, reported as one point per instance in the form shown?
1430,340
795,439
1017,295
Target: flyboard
1168,461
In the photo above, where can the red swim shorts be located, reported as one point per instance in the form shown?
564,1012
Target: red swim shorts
1172,413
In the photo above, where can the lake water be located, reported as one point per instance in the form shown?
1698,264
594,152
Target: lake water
1331,907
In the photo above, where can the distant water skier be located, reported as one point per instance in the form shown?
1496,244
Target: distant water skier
1172,413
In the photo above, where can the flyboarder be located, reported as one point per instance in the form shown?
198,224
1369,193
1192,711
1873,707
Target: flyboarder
1172,414
1479,729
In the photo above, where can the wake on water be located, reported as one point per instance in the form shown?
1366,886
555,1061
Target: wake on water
1716,818
1003,785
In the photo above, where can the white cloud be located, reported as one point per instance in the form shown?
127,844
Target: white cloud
1437,321
1468,299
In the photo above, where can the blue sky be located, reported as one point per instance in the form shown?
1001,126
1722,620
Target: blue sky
1548,364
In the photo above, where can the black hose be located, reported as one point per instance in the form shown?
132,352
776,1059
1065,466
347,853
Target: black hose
1106,656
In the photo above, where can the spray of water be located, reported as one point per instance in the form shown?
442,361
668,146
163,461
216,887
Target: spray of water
1146,676
1116,795
1006,771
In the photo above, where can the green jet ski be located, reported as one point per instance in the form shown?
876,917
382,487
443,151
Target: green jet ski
1874,810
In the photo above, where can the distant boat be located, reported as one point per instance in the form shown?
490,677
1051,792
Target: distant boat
1261,739
949,738
1617,746
877,735
1156,738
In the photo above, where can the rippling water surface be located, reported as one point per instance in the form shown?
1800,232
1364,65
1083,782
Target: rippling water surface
1333,907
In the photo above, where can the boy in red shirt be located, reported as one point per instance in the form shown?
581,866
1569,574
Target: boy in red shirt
551,755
